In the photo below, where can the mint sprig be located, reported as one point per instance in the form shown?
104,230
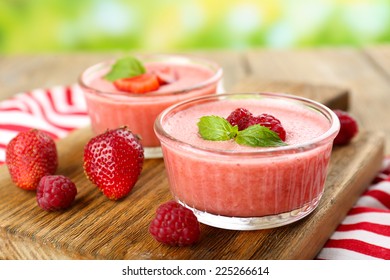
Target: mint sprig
216,128
127,67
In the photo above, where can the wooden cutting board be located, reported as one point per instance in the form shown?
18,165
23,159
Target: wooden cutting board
97,228
334,97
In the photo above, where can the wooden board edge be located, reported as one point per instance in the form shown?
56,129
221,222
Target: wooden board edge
331,202
333,96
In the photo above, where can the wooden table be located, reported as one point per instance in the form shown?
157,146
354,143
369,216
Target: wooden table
365,73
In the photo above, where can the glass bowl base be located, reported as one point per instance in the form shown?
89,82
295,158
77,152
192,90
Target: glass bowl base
152,152
254,223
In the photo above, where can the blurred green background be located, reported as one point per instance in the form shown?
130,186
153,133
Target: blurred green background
35,26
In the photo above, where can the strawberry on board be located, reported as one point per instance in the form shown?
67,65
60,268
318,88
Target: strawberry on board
113,161
31,155
139,84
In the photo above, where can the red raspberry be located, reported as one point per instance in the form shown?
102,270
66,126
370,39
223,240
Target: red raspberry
175,225
270,122
239,117
348,128
55,192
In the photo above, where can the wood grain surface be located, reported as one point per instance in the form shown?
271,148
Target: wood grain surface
334,97
97,228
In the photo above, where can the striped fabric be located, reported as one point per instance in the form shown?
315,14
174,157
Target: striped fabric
363,234
365,231
57,111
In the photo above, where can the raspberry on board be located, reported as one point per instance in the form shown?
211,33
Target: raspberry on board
175,225
55,192
348,128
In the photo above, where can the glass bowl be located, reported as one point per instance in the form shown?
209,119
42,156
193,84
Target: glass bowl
238,187
109,108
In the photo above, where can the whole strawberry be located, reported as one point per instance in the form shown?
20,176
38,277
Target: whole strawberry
175,225
55,192
113,161
30,156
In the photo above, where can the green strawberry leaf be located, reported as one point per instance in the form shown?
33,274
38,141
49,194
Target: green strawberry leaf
259,136
125,68
216,128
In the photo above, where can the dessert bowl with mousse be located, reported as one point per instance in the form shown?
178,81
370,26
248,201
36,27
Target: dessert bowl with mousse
247,161
134,90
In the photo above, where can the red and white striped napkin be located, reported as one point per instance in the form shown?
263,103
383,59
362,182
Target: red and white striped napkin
363,234
57,111
365,231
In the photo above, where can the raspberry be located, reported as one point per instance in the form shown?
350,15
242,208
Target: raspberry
55,192
239,117
270,122
243,119
175,225
348,128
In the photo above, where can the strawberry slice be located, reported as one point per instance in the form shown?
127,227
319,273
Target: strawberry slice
138,84
165,75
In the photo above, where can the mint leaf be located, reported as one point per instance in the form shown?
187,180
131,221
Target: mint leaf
125,68
259,136
216,128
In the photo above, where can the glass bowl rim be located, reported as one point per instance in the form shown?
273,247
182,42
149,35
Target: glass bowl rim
325,137
216,68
